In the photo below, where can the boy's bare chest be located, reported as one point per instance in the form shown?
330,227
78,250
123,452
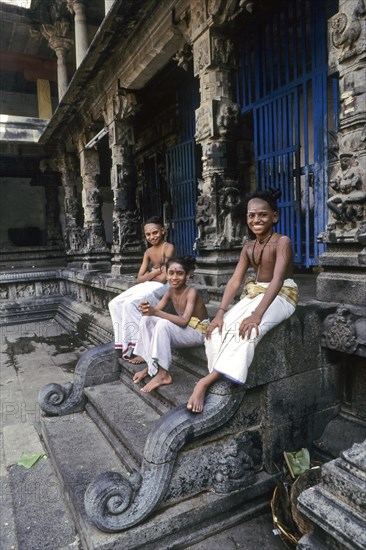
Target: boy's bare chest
156,257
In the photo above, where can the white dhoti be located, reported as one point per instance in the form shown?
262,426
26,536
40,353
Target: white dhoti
228,353
126,315
157,339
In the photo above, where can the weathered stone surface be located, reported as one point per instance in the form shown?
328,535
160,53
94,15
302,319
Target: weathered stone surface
347,288
337,505
37,493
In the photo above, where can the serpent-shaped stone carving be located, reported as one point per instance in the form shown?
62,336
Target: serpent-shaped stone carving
114,502
96,366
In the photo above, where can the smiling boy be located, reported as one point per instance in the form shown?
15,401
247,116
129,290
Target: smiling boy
233,334
124,308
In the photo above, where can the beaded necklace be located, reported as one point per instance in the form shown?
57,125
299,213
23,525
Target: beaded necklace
266,241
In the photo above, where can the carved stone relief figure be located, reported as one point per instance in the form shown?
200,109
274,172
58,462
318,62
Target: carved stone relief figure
227,118
75,239
222,50
229,215
184,56
347,204
50,288
346,33
4,293
235,469
204,122
24,291
204,216
125,227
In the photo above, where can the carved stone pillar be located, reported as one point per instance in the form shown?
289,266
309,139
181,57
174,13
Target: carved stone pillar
77,7
344,262
53,227
96,253
220,234
57,40
127,240
74,232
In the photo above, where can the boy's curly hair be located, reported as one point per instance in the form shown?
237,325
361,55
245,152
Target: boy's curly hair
154,219
270,195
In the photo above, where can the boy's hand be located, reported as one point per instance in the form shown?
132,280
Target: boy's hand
248,324
217,322
146,308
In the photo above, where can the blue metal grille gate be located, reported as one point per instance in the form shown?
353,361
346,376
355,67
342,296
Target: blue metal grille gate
181,172
283,86
182,183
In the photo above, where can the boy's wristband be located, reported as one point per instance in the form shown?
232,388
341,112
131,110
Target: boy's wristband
222,309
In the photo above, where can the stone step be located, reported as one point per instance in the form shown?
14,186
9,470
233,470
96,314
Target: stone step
165,397
79,453
344,485
192,360
309,542
336,519
42,518
124,418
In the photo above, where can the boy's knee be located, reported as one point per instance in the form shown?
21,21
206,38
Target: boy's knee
163,324
144,321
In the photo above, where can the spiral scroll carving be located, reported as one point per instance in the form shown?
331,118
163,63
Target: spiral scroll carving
54,399
114,503
95,366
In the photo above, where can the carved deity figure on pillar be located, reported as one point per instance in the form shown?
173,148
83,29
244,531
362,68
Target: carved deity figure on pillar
230,219
205,219
125,227
347,204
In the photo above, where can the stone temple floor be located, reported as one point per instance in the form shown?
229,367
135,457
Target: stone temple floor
33,355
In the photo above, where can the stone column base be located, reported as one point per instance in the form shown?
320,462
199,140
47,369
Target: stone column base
215,267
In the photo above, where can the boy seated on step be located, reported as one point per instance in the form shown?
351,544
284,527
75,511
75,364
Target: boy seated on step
124,308
233,334
179,320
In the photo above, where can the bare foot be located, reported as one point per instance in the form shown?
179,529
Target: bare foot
140,375
197,399
137,360
162,378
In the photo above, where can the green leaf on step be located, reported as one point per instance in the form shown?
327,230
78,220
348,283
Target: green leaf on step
29,460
